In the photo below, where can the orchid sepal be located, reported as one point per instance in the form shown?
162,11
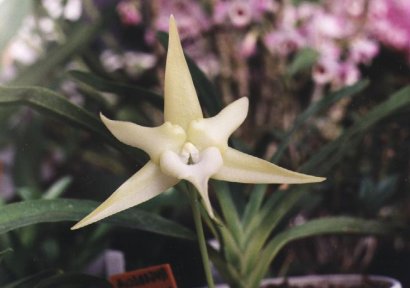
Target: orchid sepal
243,168
153,140
181,104
145,184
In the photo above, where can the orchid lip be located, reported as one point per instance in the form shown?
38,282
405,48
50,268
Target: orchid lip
191,163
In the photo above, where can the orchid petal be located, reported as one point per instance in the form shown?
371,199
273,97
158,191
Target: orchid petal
181,101
244,168
216,130
147,183
202,188
153,141
209,162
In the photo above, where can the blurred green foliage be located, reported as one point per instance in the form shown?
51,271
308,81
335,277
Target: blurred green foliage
366,164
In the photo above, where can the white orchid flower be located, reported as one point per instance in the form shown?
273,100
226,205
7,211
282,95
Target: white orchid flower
187,146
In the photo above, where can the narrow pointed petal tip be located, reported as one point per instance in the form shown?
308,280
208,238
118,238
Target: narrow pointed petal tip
318,179
244,168
79,225
147,183
216,130
304,178
181,104
153,140
103,118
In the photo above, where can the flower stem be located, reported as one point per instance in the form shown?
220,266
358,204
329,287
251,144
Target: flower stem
194,198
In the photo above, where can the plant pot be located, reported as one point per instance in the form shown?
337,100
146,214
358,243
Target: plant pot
330,281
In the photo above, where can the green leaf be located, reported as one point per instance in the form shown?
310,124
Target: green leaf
229,210
21,214
27,162
320,163
207,93
298,2
5,252
228,271
12,14
279,205
230,248
55,105
332,153
27,193
254,203
31,280
43,69
74,280
258,193
303,60
136,94
58,188
323,226
373,195
315,108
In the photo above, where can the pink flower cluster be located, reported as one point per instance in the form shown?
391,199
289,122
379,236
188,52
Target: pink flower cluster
334,30
129,12
345,34
242,13
389,21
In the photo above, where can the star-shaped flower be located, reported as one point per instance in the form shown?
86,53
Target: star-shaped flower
187,146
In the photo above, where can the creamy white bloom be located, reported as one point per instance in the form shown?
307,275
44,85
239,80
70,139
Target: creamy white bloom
187,146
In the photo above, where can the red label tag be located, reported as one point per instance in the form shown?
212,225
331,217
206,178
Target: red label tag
160,276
